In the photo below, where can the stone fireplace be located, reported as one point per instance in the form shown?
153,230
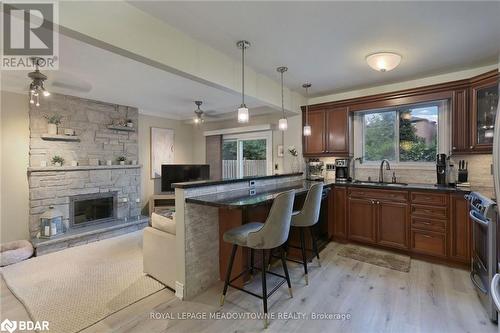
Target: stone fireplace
97,199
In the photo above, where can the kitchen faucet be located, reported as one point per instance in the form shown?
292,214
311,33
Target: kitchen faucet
381,172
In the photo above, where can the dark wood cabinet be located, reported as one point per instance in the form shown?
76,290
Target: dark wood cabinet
473,114
392,224
338,221
424,223
460,229
460,121
329,132
362,220
483,107
314,144
337,133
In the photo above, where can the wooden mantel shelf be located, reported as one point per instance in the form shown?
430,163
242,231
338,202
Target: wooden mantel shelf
83,167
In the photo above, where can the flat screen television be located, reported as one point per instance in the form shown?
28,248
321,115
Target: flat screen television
178,173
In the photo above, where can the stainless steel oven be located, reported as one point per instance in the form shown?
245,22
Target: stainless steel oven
484,248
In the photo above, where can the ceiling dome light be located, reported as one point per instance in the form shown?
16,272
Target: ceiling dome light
383,61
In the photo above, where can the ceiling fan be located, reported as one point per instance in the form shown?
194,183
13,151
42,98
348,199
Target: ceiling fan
200,115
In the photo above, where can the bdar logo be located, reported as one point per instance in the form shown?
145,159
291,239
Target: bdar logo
8,325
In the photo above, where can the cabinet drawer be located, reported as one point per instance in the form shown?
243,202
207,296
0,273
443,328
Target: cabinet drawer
428,224
430,212
429,198
378,194
427,242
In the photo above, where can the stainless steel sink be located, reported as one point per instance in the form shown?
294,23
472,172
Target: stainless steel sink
359,182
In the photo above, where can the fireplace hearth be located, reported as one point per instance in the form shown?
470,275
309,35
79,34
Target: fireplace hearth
94,208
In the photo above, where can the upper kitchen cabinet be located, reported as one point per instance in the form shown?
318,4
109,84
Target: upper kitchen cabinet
484,101
329,132
474,106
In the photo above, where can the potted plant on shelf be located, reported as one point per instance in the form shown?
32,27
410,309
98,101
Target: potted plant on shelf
121,160
52,122
57,160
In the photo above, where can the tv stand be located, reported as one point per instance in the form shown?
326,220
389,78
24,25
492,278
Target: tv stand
164,200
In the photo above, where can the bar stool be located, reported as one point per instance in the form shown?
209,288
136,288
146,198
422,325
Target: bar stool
262,236
307,218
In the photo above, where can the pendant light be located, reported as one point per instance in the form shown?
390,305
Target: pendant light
307,128
283,122
243,116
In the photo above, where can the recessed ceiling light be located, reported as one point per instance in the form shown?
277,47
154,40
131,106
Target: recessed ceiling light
383,61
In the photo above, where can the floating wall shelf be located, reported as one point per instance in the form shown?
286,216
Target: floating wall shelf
121,128
59,137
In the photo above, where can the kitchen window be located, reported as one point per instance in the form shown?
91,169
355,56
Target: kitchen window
409,134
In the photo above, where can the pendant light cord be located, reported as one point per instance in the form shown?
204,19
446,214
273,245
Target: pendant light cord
307,106
282,96
243,74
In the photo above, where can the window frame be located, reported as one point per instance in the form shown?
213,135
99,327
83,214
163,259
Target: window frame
259,135
443,133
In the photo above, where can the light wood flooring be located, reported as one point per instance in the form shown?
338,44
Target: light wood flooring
430,298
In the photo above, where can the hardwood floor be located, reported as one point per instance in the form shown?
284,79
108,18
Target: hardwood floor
430,298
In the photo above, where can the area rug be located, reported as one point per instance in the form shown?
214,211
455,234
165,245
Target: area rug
377,257
77,287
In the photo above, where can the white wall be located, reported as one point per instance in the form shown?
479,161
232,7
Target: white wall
14,146
183,149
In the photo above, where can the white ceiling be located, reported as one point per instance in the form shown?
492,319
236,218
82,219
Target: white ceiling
98,74
326,42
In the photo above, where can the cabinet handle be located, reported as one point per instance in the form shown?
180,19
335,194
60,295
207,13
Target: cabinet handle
427,236
454,148
470,147
427,223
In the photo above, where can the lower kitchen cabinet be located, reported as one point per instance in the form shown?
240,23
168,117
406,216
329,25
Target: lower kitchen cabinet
460,229
392,224
338,222
427,223
428,242
362,220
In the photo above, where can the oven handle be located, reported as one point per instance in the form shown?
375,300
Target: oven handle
475,218
494,290
476,283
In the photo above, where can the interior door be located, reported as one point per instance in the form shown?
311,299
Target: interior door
362,220
315,143
393,224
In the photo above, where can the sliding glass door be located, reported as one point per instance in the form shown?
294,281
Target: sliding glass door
246,155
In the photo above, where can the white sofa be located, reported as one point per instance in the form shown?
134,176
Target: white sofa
159,250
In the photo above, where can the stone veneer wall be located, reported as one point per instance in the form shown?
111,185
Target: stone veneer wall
201,233
53,186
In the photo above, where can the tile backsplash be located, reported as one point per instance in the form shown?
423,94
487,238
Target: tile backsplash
479,166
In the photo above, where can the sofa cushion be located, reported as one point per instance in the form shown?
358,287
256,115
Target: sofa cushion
163,223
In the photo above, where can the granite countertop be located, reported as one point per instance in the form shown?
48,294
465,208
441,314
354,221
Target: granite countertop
243,198
398,186
201,183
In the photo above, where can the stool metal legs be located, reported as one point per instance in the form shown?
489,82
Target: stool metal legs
228,274
285,269
315,245
264,287
304,256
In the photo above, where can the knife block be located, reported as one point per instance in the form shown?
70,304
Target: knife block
463,176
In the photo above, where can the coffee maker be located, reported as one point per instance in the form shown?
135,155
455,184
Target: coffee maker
441,169
342,169
314,170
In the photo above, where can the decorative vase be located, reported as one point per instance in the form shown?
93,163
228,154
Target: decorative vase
52,129
122,162
57,164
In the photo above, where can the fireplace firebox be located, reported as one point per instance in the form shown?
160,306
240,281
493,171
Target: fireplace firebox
94,208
